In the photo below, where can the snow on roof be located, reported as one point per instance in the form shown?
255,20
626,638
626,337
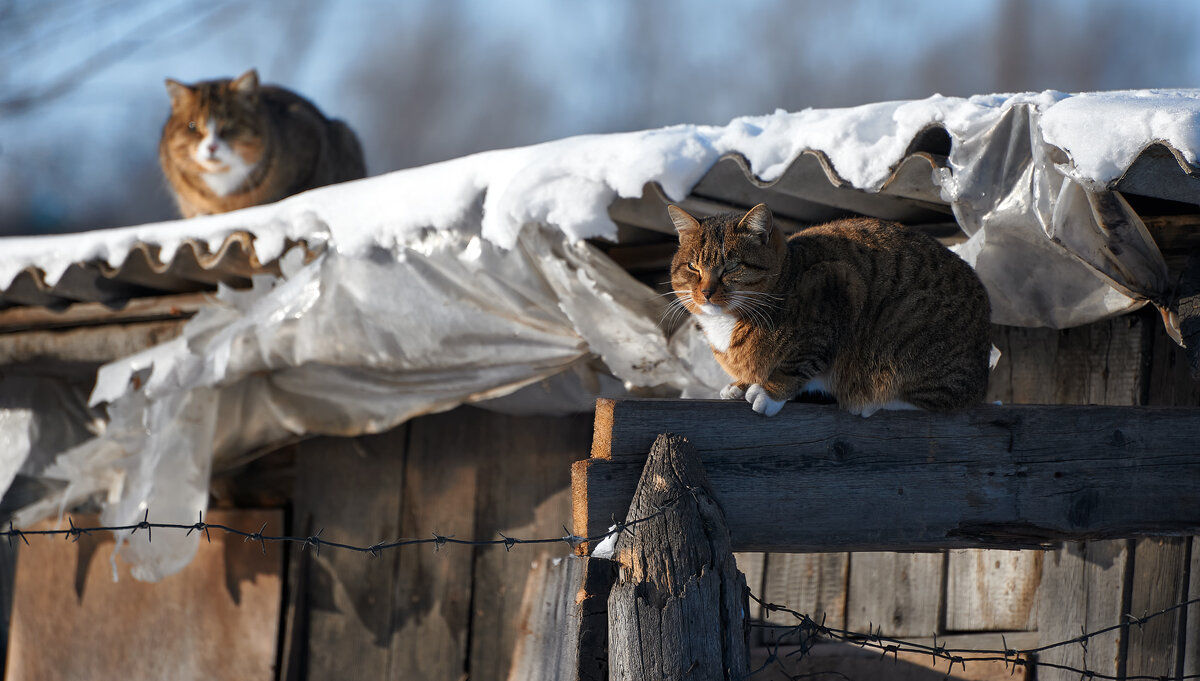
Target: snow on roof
470,280
570,183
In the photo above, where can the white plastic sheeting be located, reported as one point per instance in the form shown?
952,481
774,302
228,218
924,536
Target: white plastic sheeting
468,281
351,345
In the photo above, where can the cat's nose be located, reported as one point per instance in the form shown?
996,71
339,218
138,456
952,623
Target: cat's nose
212,149
708,292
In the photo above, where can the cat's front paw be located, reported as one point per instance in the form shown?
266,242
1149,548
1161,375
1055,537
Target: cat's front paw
761,402
732,392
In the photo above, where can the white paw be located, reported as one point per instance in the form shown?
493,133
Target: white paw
732,392
761,402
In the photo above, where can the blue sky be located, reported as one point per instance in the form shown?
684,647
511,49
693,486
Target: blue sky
424,80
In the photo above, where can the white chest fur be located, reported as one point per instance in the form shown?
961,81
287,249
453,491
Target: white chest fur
214,150
718,326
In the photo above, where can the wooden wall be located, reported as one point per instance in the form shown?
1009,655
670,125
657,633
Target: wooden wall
415,612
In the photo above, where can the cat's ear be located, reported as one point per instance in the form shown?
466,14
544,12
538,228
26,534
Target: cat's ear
684,223
179,92
246,84
758,222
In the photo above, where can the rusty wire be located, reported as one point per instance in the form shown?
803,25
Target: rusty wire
806,632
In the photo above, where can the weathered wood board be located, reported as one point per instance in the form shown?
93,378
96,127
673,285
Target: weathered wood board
523,493
349,490
812,583
992,590
896,593
1160,574
815,478
419,611
216,619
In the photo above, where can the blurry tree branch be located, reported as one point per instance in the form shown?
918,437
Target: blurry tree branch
186,15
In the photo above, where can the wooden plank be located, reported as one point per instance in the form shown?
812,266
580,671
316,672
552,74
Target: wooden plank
811,583
992,590
547,643
678,608
433,600
525,492
341,618
897,593
89,344
1159,581
8,569
90,314
816,478
753,565
1191,641
1082,591
218,618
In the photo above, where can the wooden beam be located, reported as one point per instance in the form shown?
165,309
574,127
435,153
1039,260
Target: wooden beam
815,478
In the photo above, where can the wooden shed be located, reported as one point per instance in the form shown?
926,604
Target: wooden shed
446,611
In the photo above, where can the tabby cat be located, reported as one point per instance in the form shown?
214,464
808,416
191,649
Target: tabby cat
230,144
867,311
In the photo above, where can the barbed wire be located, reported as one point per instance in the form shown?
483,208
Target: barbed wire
74,532
807,632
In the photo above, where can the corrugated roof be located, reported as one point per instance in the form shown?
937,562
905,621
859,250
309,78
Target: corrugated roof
1160,182
143,273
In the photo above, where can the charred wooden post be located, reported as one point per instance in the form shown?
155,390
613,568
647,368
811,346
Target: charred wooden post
678,609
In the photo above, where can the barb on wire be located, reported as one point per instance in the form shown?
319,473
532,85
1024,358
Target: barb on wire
806,631
73,532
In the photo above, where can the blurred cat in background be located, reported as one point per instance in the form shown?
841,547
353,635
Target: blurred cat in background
876,315
229,144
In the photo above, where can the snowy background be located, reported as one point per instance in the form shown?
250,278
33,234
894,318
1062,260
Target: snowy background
82,100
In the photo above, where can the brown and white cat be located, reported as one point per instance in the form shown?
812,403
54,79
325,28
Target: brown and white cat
229,144
867,311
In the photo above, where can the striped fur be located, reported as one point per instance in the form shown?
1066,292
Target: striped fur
881,316
267,143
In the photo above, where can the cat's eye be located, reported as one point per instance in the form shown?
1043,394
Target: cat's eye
191,125
732,267
692,266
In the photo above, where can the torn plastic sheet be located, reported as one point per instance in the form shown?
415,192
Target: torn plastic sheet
1054,248
348,345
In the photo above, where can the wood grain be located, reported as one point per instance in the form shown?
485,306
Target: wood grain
524,493
811,583
815,478
898,593
340,613
218,618
992,590
432,601
1159,581
547,645
1191,637
678,609
1082,590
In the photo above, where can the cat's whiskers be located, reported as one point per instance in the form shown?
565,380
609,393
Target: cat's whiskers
675,310
758,309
